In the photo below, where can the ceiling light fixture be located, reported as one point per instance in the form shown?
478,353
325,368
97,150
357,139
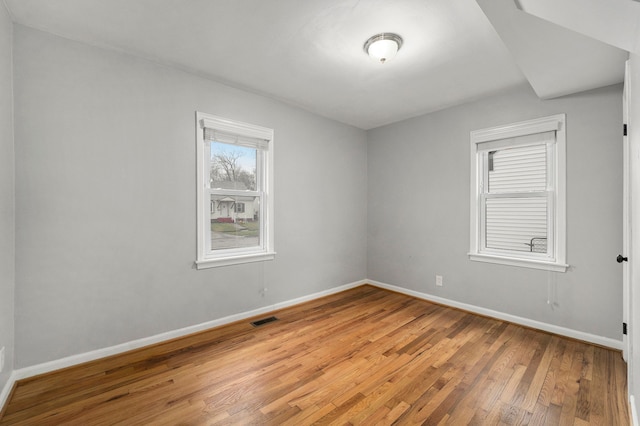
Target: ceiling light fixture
383,47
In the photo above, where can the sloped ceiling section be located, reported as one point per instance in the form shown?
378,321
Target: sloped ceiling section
556,61
615,22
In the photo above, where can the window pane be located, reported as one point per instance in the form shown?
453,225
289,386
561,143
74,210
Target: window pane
518,169
232,167
518,224
235,221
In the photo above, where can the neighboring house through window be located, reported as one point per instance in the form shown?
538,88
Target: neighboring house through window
518,192
235,192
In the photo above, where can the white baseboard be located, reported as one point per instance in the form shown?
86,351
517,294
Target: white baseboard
47,367
57,364
6,390
634,412
563,331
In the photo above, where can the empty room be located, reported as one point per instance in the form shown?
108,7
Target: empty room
323,212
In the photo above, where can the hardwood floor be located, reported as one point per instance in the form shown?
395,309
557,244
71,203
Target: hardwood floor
365,356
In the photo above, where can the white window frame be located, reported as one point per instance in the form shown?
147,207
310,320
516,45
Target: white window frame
555,259
206,257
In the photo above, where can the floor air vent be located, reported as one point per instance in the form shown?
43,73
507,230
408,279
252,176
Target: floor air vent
264,321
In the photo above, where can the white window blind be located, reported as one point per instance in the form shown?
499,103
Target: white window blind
214,135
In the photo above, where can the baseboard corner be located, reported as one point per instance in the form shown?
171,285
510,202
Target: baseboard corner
7,391
634,412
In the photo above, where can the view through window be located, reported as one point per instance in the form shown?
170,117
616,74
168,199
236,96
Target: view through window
235,201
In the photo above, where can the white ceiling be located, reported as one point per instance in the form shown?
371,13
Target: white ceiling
309,53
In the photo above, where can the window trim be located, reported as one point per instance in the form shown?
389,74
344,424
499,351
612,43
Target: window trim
224,257
557,217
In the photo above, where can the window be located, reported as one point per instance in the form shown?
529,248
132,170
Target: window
518,214
235,192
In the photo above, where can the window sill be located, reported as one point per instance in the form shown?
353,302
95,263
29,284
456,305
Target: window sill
523,263
235,260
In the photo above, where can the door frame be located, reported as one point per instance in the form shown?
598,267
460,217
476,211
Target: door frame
627,346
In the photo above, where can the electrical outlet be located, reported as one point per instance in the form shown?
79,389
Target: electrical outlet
439,280
1,359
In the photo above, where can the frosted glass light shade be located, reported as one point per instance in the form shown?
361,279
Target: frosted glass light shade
383,47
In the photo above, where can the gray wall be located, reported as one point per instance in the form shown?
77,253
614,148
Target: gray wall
105,200
418,211
105,204
7,247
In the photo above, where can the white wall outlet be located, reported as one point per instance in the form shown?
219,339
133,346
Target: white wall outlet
439,280
1,359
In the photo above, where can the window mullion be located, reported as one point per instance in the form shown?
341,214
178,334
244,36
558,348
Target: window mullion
551,200
234,192
551,227
206,195
531,194
483,221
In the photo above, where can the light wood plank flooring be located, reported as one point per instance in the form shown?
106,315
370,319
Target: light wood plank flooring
364,356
